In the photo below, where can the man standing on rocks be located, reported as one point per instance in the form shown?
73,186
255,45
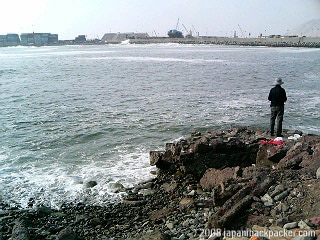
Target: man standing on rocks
278,97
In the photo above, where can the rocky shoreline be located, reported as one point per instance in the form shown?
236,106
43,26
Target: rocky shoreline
222,184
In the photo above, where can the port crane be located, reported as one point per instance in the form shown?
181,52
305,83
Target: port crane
188,33
241,31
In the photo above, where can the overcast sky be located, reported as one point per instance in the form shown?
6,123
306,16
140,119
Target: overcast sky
93,18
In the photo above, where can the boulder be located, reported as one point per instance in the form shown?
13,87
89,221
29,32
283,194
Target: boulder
67,234
213,177
294,156
155,157
91,184
20,231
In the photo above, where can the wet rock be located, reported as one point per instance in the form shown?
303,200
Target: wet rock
43,211
155,157
67,234
116,187
20,231
90,184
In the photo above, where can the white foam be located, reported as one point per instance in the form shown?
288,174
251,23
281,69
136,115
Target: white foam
57,183
158,59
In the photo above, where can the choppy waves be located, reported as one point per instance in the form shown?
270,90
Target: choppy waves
76,114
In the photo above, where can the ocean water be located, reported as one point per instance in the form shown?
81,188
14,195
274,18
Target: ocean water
73,114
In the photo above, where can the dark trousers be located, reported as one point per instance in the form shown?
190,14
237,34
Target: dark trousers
276,114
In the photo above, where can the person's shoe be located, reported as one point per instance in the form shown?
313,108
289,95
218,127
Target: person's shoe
279,135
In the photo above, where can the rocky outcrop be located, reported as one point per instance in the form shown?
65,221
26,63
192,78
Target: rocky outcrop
240,166
236,147
216,149
221,180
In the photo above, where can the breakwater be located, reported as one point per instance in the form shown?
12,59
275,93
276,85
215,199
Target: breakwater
270,42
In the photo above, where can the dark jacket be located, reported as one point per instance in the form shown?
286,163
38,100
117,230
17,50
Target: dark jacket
277,96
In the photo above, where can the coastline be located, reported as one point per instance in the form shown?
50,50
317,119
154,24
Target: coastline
299,42
211,183
307,42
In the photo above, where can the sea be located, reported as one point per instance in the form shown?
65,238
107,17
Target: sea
71,115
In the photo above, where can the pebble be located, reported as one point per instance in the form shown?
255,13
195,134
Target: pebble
303,225
169,225
282,195
290,225
318,173
267,200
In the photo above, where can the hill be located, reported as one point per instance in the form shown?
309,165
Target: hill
308,29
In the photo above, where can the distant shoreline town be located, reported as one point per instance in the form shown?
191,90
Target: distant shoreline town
48,39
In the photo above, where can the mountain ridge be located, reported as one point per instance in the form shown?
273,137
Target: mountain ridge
308,29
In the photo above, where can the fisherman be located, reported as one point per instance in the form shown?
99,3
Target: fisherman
278,97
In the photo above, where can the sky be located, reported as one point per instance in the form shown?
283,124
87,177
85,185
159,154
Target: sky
94,18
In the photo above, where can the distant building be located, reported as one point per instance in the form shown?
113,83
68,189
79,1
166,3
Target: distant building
118,37
80,38
13,39
38,39
9,40
3,40
53,38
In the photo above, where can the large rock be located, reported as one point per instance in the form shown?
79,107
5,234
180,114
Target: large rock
213,177
311,161
269,155
20,231
304,154
155,157
216,149
67,234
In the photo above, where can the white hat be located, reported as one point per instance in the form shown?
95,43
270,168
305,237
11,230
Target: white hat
278,81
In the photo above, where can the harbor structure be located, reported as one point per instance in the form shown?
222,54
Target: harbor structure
119,37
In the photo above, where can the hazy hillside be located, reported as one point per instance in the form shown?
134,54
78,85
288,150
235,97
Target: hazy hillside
309,29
